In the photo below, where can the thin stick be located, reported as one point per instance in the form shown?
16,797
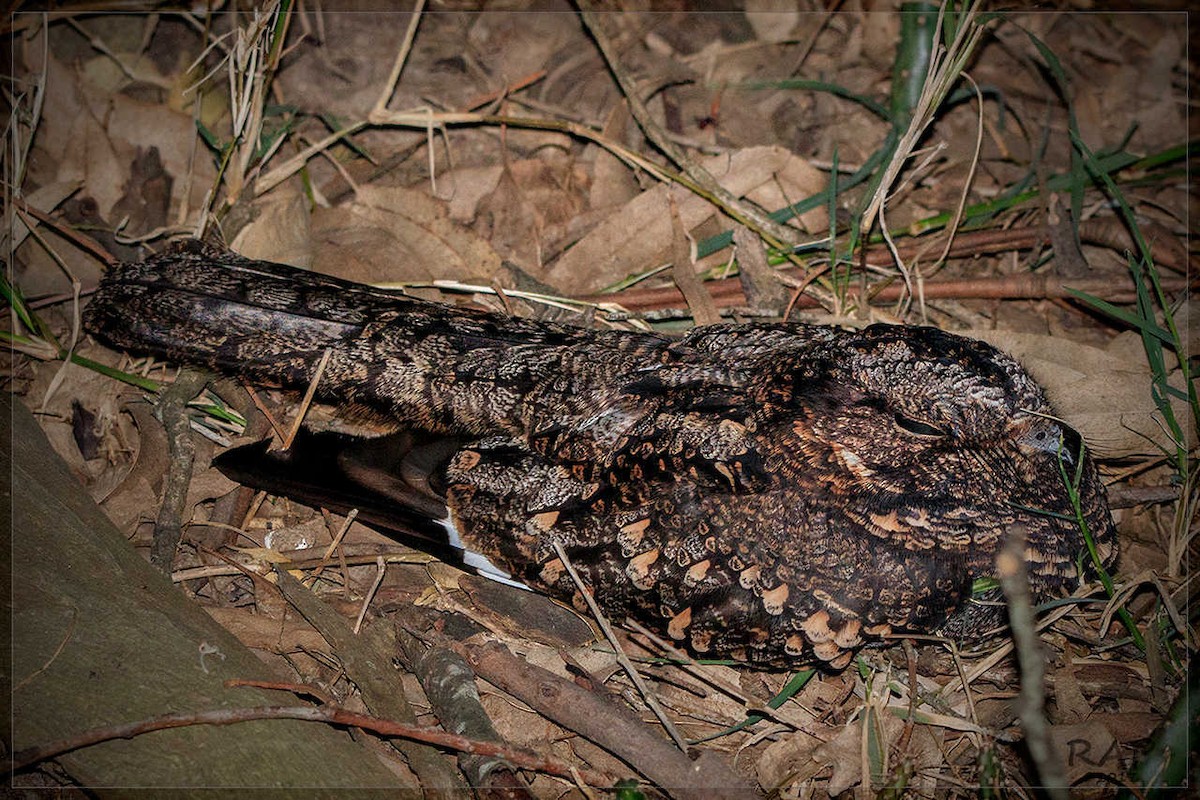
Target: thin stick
266,412
776,234
952,226
308,397
1014,579
752,706
252,511
334,543
298,689
380,571
214,570
622,659
683,270
519,757
81,240
401,57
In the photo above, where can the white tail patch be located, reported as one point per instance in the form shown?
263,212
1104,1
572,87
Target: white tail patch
477,561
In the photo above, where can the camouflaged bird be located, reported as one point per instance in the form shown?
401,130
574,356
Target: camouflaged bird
766,492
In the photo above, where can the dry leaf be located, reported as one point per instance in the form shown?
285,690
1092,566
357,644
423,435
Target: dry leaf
462,189
208,484
789,761
843,752
637,236
1103,393
1085,748
279,231
770,21
613,183
395,235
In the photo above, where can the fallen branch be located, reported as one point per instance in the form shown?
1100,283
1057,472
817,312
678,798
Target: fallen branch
172,409
610,726
727,293
367,659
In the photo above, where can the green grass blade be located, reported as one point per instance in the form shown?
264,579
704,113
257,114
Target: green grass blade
875,107
914,50
794,685
13,297
1132,320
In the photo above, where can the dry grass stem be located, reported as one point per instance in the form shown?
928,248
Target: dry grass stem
622,658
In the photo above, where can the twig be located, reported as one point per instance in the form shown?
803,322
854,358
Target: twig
216,570
334,543
82,240
299,689
751,705
727,292
266,412
410,34
172,410
67,636
449,685
481,100
380,571
612,727
308,397
952,225
622,659
1014,579
775,233
525,759
367,659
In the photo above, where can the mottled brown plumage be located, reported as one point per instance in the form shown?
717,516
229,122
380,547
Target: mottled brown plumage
766,492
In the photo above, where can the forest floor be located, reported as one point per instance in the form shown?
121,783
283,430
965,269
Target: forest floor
1042,204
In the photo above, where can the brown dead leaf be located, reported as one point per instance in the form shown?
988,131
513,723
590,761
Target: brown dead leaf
1130,726
789,761
509,222
1069,701
843,752
638,236
280,230
395,235
207,484
1103,392
770,21
1085,748
463,188
72,137
613,183
44,198
136,497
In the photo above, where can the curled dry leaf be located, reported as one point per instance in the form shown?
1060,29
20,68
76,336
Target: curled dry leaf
136,497
788,761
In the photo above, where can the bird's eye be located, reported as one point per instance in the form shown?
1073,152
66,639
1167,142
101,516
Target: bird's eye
917,427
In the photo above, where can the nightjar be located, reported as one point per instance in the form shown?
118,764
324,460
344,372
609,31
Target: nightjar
773,493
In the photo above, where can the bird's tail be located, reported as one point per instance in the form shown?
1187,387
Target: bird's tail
267,322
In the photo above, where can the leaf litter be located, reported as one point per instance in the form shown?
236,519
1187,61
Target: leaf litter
539,210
